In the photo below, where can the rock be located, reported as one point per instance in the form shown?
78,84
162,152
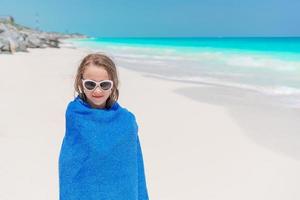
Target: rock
33,41
3,45
15,37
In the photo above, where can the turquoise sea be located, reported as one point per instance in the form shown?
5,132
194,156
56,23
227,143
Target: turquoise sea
267,65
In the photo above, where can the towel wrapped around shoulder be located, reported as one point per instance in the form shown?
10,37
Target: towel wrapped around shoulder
100,156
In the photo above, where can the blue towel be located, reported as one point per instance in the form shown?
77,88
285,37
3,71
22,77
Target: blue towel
100,156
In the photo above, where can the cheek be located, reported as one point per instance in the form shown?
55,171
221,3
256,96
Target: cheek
87,92
107,94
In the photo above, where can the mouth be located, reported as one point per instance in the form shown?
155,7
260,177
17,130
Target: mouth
97,97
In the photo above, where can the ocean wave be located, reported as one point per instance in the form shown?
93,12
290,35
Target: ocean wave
268,90
265,73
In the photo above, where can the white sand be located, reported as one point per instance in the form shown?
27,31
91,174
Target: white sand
198,142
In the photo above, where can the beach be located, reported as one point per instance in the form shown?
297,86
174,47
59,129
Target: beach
199,141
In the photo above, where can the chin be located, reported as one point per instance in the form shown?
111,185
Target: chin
98,102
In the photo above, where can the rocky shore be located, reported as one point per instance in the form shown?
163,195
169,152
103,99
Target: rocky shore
15,37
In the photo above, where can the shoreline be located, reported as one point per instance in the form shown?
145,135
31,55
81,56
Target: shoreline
198,141
272,78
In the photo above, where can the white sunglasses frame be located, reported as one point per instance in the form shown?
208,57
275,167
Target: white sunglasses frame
97,84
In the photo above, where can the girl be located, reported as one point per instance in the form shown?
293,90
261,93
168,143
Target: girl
100,156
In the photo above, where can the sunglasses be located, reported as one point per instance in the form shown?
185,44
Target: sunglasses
91,85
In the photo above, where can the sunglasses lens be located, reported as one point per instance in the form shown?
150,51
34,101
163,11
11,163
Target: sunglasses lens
89,85
106,85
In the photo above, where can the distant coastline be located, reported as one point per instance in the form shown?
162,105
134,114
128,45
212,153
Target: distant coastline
18,38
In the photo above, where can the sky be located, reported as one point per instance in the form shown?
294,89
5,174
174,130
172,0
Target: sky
159,18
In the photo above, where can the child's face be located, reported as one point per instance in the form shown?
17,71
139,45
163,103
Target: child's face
97,97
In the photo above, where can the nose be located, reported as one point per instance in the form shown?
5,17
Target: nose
98,90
